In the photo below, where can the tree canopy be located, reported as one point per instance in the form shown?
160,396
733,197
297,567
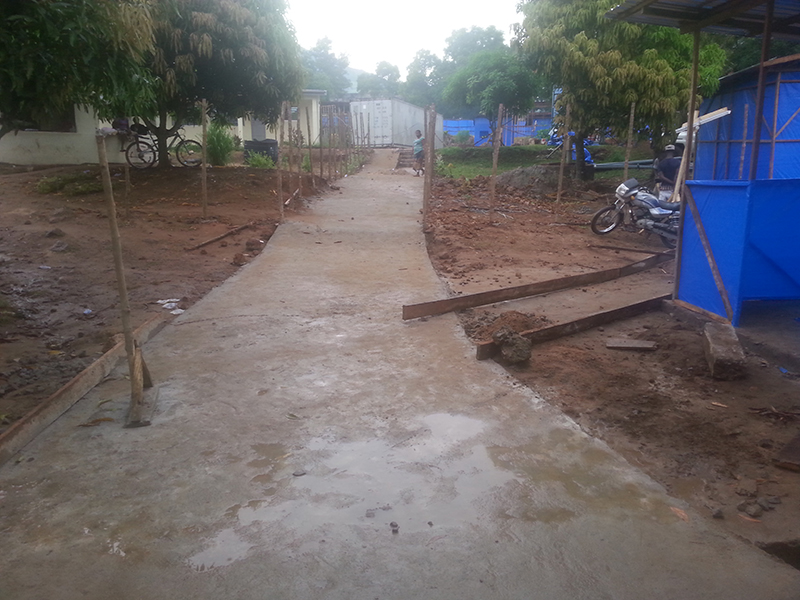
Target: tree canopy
385,82
54,55
604,66
491,78
325,70
242,57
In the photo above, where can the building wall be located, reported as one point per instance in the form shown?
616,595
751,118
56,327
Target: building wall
56,148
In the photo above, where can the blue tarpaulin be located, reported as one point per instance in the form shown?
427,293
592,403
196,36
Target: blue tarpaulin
720,151
481,130
752,230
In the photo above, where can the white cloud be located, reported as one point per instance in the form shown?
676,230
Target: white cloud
371,32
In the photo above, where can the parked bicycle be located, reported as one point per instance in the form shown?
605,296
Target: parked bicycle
142,152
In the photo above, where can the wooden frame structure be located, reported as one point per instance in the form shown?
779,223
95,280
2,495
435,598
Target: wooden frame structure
768,18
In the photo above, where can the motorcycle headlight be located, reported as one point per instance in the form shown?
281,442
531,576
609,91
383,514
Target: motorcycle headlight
622,189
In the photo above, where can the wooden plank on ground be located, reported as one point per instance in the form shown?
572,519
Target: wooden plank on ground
630,344
488,349
789,456
28,427
440,307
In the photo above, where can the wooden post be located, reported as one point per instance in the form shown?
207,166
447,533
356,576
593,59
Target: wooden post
127,170
321,145
430,148
744,141
290,131
299,156
204,171
680,179
497,141
564,146
310,147
116,249
330,143
279,166
630,140
760,90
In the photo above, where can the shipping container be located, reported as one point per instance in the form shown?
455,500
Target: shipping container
391,122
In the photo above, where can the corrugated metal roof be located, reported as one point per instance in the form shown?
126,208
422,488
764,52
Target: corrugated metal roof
731,17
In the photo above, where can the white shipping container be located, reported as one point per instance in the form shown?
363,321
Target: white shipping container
392,122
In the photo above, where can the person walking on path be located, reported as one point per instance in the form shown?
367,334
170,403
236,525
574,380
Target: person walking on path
419,153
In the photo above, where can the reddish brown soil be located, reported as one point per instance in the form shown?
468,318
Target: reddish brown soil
699,437
661,409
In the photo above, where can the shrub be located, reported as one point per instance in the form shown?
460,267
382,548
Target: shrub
220,145
260,161
462,138
306,166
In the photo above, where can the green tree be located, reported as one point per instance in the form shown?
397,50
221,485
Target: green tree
423,85
463,43
240,56
54,55
326,71
603,65
384,83
490,78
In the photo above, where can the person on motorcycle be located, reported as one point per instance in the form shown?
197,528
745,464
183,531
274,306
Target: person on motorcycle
667,171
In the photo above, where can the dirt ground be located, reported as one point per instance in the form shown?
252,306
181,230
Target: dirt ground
709,442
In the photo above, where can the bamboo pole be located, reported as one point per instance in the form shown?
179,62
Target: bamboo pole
430,148
685,160
760,90
279,165
744,141
204,170
629,147
299,154
136,404
310,146
564,146
496,143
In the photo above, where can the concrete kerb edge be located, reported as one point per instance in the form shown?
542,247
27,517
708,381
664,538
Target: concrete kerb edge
22,432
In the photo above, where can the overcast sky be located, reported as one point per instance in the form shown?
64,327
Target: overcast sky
371,32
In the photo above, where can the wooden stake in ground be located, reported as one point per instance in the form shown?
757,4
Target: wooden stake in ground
564,150
299,135
430,148
204,172
310,146
497,141
135,368
630,140
278,166
127,169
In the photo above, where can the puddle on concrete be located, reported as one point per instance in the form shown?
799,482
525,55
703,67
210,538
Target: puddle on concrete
226,548
434,475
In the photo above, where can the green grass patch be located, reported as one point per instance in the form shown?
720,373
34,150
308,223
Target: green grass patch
72,184
472,162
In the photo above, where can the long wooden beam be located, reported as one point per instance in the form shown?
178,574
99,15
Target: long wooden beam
440,307
485,350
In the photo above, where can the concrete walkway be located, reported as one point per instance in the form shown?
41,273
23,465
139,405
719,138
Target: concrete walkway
299,418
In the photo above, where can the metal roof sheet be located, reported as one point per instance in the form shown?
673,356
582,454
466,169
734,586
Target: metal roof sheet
731,17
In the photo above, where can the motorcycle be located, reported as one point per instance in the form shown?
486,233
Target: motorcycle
637,206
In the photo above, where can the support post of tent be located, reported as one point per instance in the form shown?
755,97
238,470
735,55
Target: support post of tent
680,180
139,375
496,143
630,140
744,141
204,172
765,44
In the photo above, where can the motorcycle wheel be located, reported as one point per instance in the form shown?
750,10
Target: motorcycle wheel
669,242
606,220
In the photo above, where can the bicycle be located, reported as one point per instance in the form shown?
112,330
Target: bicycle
142,152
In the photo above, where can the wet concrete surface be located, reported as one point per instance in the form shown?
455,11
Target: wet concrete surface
299,418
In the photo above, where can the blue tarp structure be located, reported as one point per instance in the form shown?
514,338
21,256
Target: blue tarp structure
720,152
752,226
481,130
752,230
